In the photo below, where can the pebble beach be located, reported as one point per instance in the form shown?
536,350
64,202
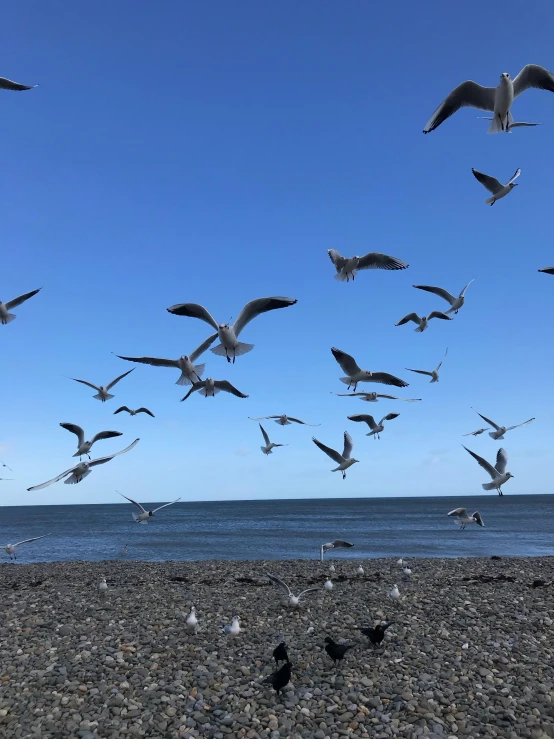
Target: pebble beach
470,653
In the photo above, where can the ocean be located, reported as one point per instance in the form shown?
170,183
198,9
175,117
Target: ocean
519,525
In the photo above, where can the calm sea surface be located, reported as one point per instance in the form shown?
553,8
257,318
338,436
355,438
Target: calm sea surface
284,529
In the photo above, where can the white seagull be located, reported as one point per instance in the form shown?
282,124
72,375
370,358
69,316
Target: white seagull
10,548
374,397
499,431
343,460
423,321
103,586
328,585
497,99
547,270
103,390
294,600
463,518
284,420
498,472
6,84
210,388
234,628
337,544
359,570
406,573
348,266
5,316
230,346
134,412
5,465
144,515
269,445
331,567
434,374
376,428
355,375
81,470
84,447
455,302
192,621
476,433
189,372
394,593
493,185
400,561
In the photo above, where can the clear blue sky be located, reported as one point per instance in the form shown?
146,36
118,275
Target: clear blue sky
212,153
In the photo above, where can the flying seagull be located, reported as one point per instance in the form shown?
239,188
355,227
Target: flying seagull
294,600
134,413
84,447
516,124
376,428
476,433
455,302
81,470
547,270
374,397
103,390
5,316
189,372
348,266
355,375
10,548
5,465
499,431
343,460
6,84
284,420
210,388
493,185
497,99
498,473
269,445
337,544
6,479
144,515
434,375
423,322
230,346
463,518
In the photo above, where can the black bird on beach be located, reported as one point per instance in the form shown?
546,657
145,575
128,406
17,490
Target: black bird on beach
336,651
376,634
280,678
280,653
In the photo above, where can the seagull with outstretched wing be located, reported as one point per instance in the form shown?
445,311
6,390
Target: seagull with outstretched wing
376,428
104,390
83,446
498,473
499,431
134,412
455,302
347,267
210,388
5,308
144,515
354,374
284,420
434,374
294,600
344,460
493,185
423,321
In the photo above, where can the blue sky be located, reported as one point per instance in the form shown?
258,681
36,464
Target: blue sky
212,153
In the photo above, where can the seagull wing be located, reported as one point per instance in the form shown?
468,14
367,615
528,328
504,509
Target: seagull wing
203,347
548,270
153,361
439,365
308,590
520,424
459,512
280,583
363,418
501,461
105,435
483,462
84,382
514,176
35,538
346,362
297,420
410,317
335,456
437,291
195,386
256,307
165,505
374,260
532,75
475,433
138,505
226,386
21,299
52,481
439,314
348,445
74,430
461,295
488,420
384,378
193,310
420,372
390,417
103,460
263,418
336,258
117,379
6,84
491,183
341,544
468,94
123,408
145,410
264,434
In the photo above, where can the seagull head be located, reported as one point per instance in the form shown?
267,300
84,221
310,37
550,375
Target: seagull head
184,358
509,474
224,326
150,513
505,76
354,460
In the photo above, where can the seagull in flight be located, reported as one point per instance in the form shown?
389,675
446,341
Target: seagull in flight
423,322
103,390
493,185
7,317
210,388
516,124
547,270
230,346
343,460
497,99
294,600
498,473
80,471
355,375
6,479
10,548
455,302
284,420
144,515
463,518
476,433
499,431
376,428
84,447
6,84
189,372
434,375
6,466
134,413
374,397
337,544
269,445
348,266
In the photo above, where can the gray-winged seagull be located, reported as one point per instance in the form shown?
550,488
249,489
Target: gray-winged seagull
498,472
210,388
83,446
455,302
348,266
423,321
269,445
434,374
355,375
284,420
10,548
376,428
499,431
498,190
144,515
5,315
343,460
103,390
374,397
463,518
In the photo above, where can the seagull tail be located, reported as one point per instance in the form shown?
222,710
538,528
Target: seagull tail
344,276
496,123
265,450
240,349
488,486
99,396
183,380
213,392
490,201
73,479
346,380
9,318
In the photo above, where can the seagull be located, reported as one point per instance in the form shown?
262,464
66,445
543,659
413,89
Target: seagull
374,397
210,388
103,391
269,445
434,375
355,375
359,570
284,420
328,585
6,84
84,447
80,471
547,270
348,266
376,634
455,302
493,185
400,561
280,653
294,600
331,567
376,428
343,460
144,515
10,548
189,372
476,433
463,517
394,593
423,322
6,466
518,124
498,472
134,413
234,628
103,587
5,316
280,678
499,431
337,544
230,347
406,573
497,99
192,621
336,651
6,479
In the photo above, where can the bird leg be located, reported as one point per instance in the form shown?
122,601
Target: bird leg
344,477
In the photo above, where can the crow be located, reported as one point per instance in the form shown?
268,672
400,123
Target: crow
280,653
280,678
336,651
377,634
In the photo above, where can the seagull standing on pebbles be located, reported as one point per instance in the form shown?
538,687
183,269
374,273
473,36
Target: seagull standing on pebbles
144,515
343,460
406,573
328,585
84,447
355,375
7,317
332,567
233,629
423,321
394,593
10,548
498,472
455,302
376,428
499,431
348,266
359,570
192,621
103,391
434,374
284,420
210,388
400,561
463,518
269,445
337,544
103,587
498,190
294,600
